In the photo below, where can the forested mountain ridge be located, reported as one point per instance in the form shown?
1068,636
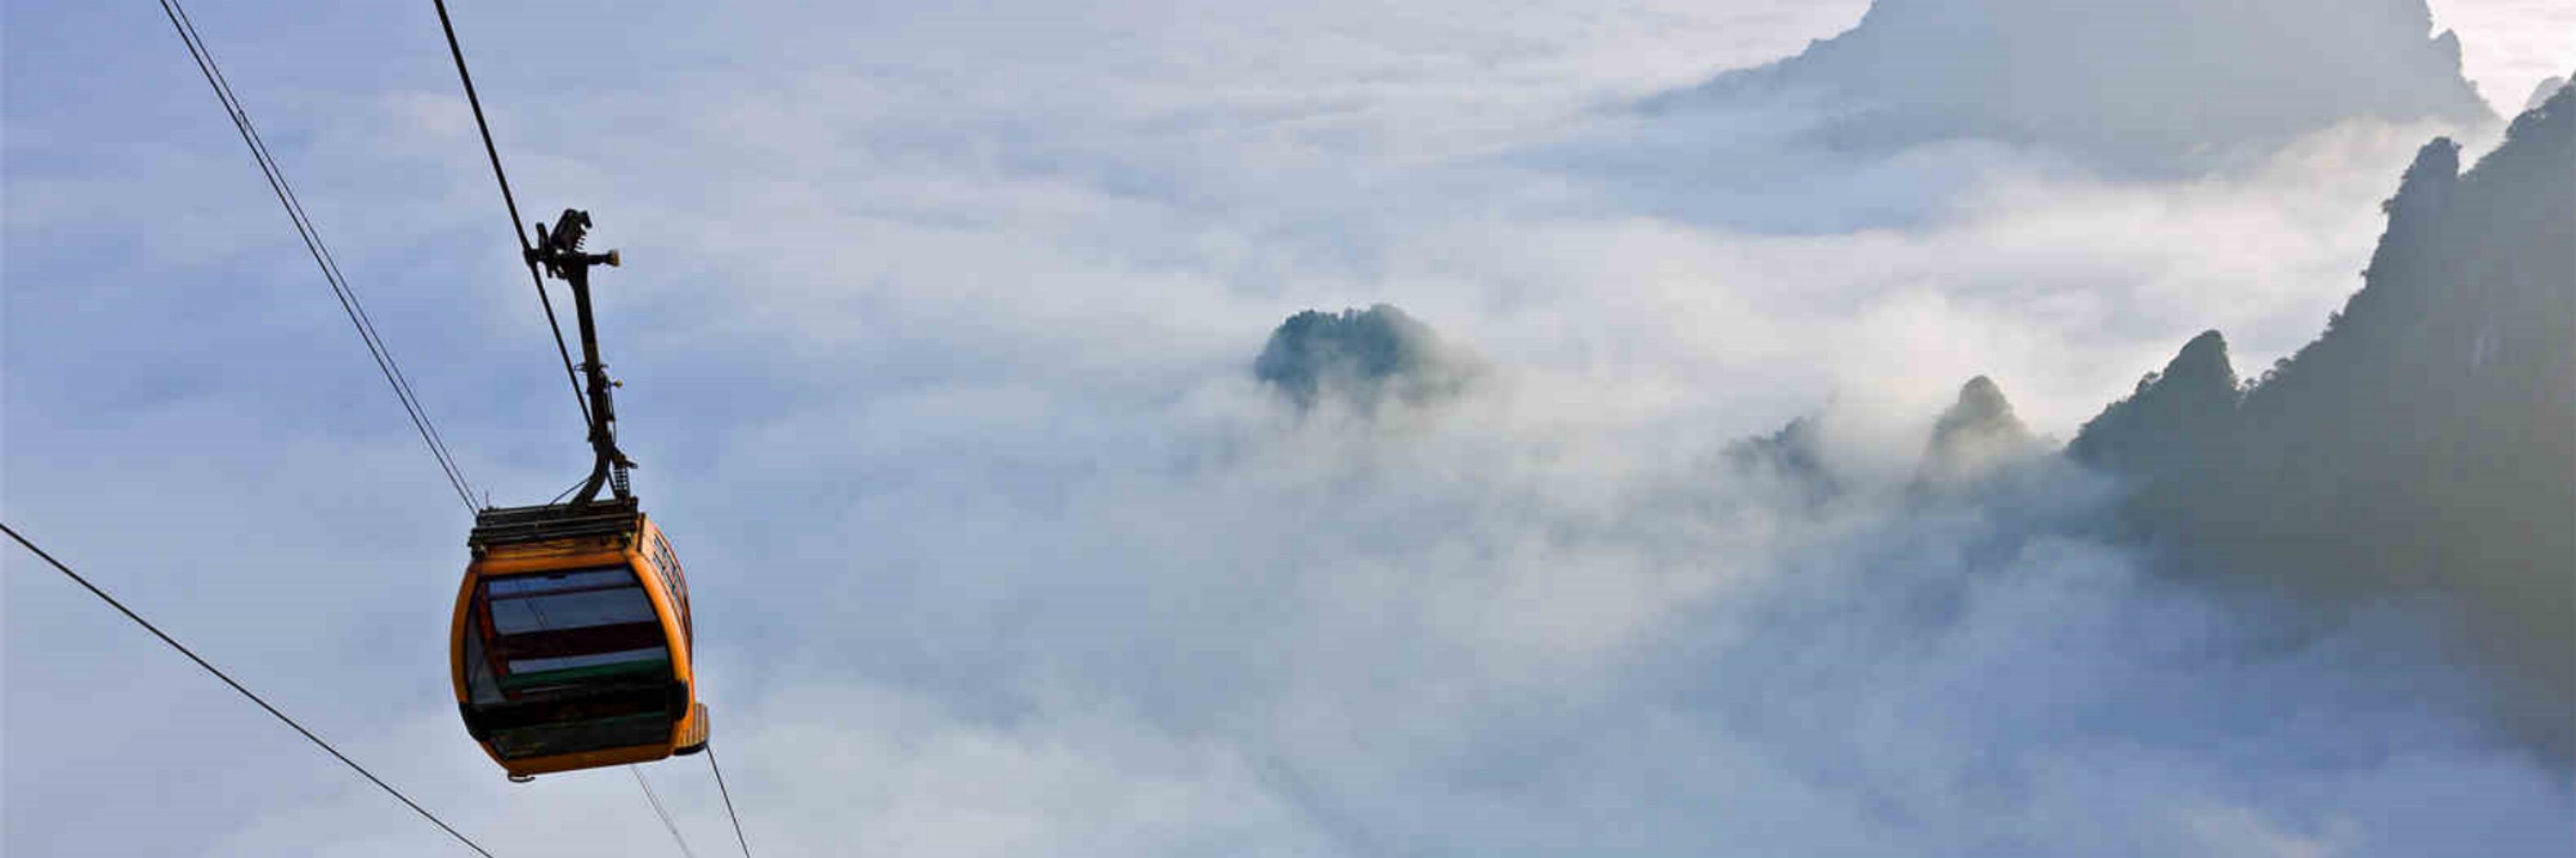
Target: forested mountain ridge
2157,86
2425,443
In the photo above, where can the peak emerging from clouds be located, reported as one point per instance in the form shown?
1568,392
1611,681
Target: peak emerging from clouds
1360,354
2171,413
1975,437
2421,446
2154,85
2540,94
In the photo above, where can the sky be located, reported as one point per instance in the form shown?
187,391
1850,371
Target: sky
936,326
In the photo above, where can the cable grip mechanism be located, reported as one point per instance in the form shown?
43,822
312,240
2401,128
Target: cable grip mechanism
559,253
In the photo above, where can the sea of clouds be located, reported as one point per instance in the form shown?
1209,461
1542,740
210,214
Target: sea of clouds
938,326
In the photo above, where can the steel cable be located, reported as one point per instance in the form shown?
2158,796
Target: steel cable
244,690
526,251
728,801
314,246
660,811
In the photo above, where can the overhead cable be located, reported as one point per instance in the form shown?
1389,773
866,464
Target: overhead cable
728,801
313,245
244,690
660,811
509,201
527,252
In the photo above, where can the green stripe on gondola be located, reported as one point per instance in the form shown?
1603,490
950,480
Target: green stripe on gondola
577,675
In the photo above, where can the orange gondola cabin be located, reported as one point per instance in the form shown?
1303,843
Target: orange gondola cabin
571,643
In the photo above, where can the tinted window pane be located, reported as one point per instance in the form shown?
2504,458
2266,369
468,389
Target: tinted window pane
653,654
516,585
563,639
518,614
670,562
479,684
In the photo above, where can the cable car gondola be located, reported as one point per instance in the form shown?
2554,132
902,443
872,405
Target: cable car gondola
571,642
572,637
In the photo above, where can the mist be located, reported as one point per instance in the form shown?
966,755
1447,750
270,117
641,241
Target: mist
944,334
2153,87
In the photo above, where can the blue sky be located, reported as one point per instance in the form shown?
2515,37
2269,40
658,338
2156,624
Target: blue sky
935,327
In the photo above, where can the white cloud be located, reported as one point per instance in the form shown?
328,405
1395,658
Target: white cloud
2509,46
936,323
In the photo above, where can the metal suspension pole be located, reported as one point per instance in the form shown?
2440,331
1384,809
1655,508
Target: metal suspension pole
560,253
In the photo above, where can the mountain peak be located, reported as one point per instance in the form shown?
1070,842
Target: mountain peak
1981,402
2429,179
2203,361
1976,435
2540,94
1359,353
2168,417
2145,85
2421,443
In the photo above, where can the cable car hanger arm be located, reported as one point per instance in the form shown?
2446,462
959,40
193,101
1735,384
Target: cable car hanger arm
560,254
